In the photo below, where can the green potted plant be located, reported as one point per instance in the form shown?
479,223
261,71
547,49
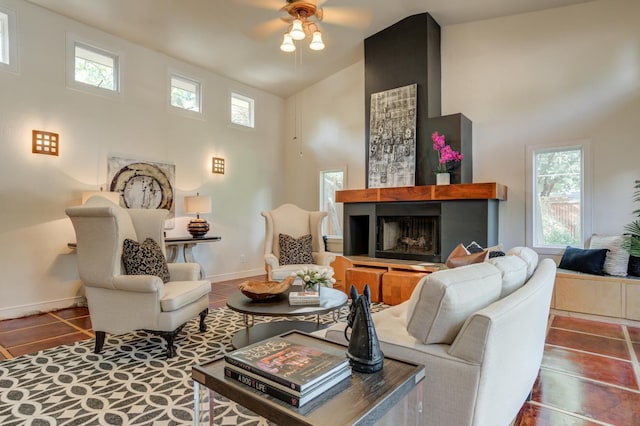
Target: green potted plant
632,242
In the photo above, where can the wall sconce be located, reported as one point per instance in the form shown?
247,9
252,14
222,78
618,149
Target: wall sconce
45,143
198,204
217,165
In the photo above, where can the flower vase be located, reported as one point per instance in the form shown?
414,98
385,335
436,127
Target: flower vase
443,179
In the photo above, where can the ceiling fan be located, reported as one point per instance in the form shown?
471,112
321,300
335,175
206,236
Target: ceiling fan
303,20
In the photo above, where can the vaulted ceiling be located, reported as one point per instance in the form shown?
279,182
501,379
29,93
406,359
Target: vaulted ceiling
240,39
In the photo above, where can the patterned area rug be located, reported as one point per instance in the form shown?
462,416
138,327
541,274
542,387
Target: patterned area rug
130,383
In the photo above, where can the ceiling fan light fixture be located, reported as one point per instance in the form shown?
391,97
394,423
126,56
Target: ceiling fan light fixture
316,41
287,44
297,32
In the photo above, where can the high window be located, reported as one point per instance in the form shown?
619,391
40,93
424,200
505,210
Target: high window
330,182
557,213
185,93
8,52
242,110
4,38
95,67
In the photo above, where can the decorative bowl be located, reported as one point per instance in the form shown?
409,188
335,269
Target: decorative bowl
265,290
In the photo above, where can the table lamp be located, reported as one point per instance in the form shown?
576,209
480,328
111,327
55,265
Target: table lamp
198,204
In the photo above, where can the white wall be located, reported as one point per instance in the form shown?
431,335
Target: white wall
555,76
559,75
324,129
38,270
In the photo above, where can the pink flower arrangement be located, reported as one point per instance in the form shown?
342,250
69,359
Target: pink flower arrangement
447,157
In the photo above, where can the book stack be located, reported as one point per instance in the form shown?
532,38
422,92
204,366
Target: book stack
309,298
288,371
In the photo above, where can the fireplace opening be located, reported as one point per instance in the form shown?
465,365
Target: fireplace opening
408,237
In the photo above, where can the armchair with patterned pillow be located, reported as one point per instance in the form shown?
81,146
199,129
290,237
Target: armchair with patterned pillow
128,283
293,240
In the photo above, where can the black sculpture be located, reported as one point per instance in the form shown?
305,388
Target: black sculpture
364,349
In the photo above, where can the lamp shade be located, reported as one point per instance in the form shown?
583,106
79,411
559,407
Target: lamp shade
287,44
198,204
316,41
114,197
297,33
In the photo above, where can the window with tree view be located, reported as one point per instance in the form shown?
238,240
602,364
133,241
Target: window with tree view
185,93
330,182
96,67
558,198
242,110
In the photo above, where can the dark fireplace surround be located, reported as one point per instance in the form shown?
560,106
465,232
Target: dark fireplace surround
419,222
418,230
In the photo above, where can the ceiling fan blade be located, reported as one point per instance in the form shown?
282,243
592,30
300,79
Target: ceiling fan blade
268,28
349,16
263,4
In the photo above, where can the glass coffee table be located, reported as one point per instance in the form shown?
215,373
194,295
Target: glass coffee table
331,300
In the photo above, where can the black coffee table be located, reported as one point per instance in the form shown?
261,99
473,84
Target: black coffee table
330,301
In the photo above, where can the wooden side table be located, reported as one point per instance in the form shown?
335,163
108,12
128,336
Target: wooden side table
392,395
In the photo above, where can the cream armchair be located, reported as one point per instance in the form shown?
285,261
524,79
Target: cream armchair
120,303
295,222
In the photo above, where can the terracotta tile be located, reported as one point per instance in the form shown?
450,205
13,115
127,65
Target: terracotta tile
2,357
593,367
634,333
79,311
636,347
589,343
82,322
41,332
589,399
47,344
588,326
30,321
535,415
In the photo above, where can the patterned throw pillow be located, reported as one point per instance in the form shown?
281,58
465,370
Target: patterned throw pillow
295,251
144,259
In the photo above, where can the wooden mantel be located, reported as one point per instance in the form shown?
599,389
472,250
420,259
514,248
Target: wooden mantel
466,191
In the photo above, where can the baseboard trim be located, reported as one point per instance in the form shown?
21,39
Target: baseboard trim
236,275
41,307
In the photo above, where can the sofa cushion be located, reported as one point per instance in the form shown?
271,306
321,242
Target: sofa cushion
460,256
529,256
144,258
442,301
295,251
514,273
589,261
617,259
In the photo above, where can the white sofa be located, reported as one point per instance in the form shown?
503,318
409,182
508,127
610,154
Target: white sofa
488,325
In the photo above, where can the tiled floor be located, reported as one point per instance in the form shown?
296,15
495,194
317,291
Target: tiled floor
590,373
31,334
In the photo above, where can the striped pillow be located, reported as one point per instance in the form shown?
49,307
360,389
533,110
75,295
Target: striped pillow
617,260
